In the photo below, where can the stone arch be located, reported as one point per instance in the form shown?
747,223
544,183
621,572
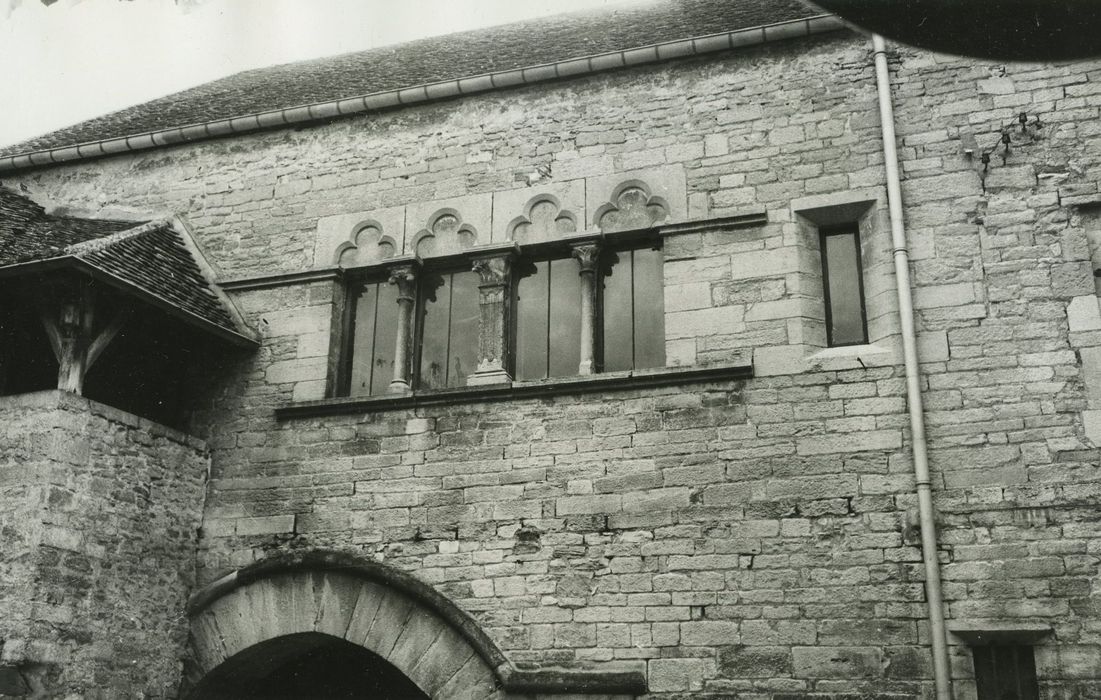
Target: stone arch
390,614
631,206
344,597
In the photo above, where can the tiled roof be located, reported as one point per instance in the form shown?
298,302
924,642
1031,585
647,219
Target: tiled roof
27,233
151,258
430,60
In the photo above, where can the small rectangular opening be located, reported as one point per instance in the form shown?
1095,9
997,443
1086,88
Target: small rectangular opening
843,285
1005,672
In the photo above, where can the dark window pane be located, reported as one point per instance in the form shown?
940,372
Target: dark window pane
565,317
985,681
363,341
845,314
376,315
385,337
634,311
449,329
649,309
436,292
1026,667
532,294
1005,673
618,313
463,358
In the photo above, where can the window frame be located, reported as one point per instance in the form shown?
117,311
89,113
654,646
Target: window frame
825,232
449,265
654,243
638,239
354,281
1023,667
531,254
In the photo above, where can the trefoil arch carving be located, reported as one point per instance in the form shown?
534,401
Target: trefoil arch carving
367,245
445,234
631,207
543,219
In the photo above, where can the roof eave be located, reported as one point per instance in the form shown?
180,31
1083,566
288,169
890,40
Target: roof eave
80,265
428,92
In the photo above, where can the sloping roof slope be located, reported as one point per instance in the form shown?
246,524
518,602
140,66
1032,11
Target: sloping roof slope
150,258
449,57
27,233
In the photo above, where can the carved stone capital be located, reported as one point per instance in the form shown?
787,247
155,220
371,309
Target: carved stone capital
405,277
494,270
588,254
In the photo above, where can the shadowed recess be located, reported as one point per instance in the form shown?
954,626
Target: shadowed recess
309,665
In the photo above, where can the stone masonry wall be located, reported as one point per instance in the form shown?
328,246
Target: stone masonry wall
1005,275
753,537
100,513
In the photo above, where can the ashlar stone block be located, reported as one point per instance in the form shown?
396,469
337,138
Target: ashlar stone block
1083,313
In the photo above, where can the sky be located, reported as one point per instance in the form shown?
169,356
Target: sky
77,59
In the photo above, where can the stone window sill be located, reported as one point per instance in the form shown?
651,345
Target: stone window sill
847,351
514,391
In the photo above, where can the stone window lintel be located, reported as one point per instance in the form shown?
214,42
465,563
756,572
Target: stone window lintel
983,632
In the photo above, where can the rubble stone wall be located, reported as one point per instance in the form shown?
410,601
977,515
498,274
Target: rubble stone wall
99,512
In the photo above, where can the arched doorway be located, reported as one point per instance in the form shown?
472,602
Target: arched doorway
325,624
307,665
278,629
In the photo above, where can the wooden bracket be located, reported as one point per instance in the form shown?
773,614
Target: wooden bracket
105,336
52,331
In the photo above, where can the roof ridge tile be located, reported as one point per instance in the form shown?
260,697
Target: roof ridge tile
96,244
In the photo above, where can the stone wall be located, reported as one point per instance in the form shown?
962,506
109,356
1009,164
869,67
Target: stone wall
99,512
1004,276
734,537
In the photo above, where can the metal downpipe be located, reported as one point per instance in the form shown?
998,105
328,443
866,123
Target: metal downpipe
933,595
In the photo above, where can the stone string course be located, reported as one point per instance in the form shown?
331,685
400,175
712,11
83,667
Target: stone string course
753,538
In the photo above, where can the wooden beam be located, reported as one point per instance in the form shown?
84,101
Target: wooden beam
52,331
70,370
105,336
73,308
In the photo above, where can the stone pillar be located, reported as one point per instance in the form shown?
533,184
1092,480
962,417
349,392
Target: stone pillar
493,319
405,277
588,255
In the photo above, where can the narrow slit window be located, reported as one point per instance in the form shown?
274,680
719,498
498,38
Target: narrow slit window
1003,672
843,287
